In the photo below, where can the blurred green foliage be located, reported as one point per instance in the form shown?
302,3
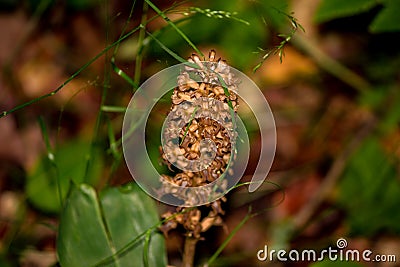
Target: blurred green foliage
385,21
46,180
369,192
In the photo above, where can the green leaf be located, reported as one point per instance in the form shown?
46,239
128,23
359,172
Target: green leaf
387,19
83,238
333,9
369,191
130,212
93,229
48,183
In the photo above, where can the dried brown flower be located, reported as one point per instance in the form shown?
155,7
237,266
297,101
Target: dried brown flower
210,86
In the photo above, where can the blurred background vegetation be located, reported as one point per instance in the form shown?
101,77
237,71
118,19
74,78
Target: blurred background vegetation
335,97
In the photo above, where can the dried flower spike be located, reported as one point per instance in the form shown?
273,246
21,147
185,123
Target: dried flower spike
209,86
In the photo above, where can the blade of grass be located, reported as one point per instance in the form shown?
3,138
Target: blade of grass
146,249
228,239
106,85
117,155
166,49
118,70
117,109
111,140
139,55
248,216
46,139
123,75
162,14
125,27
51,157
173,54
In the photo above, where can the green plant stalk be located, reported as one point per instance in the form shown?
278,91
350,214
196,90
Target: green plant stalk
228,239
51,158
166,49
118,70
124,29
142,33
330,65
106,85
162,14
146,249
116,109
123,75
117,155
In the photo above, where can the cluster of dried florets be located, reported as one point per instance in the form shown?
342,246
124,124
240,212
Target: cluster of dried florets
215,82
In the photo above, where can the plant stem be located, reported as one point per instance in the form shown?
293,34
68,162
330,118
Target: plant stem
139,56
330,65
172,24
189,251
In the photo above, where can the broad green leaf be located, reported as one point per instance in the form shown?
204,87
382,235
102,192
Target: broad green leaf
129,212
48,178
82,236
387,20
369,191
94,231
333,9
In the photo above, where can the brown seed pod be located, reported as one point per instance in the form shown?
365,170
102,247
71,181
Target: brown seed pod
198,129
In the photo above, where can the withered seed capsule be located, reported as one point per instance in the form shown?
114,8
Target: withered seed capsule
199,129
